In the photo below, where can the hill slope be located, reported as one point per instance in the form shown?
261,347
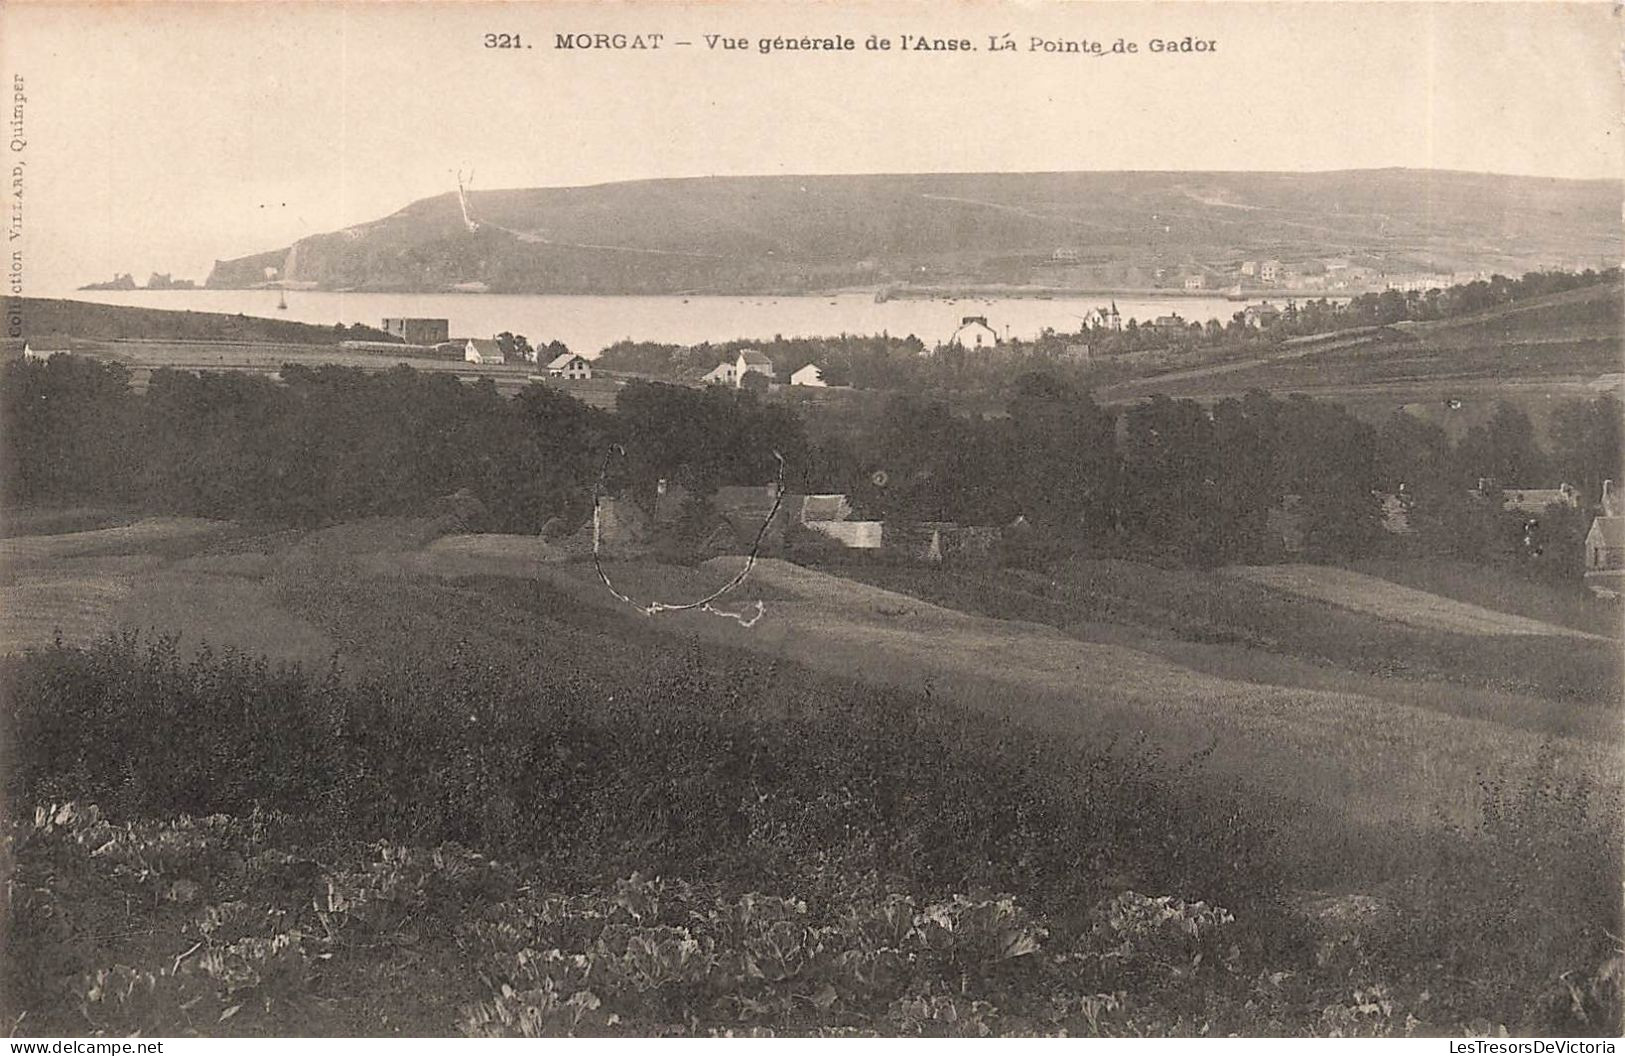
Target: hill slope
754,234
1565,344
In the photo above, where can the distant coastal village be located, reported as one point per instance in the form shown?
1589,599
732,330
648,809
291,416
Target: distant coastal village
1064,272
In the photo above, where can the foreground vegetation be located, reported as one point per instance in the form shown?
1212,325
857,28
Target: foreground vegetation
220,847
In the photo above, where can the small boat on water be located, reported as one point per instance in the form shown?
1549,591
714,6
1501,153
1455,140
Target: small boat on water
282,300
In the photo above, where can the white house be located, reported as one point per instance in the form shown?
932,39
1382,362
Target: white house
1103,318
809,375
483,351
974,333
721,374
46,347
752,361
570,366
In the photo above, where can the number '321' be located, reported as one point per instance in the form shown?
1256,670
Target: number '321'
502,40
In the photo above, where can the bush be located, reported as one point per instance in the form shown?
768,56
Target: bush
274,844
673,772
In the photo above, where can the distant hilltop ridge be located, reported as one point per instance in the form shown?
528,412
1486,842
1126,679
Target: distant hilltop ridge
1188,231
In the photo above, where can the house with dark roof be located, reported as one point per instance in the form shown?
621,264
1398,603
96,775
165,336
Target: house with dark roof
1260,315
484,351
824,508
418,331
974,333
1605,544
752,361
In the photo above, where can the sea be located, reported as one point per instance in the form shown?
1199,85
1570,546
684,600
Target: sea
589,324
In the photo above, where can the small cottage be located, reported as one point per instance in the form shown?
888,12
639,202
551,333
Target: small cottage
974,333
752,361
483,351
811,375
1258,316
721,374
1605,544
46,347
570,367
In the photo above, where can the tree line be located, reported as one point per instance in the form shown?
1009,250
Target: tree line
1166,479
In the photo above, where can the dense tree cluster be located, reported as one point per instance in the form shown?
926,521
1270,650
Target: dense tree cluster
1452,491
1167,479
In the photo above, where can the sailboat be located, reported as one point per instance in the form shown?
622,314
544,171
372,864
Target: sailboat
282,299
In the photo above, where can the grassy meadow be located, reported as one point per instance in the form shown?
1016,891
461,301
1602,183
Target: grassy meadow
1104,798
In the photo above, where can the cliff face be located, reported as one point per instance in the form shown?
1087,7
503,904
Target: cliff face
755,234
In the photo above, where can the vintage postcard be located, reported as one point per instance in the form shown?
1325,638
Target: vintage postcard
812,519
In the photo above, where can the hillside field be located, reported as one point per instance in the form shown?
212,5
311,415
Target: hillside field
1451,372
1309,696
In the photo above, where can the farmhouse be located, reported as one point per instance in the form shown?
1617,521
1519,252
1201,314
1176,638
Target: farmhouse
811,375
1605,544
418,331
483,351
570,366
46,347
830,516
1259,316
812,508
853,535
974,332
1532,500
721,374
746,508
752,361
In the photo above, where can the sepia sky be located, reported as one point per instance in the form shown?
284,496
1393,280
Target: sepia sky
162,136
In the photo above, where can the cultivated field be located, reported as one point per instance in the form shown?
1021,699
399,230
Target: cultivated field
1534,354
1353,701
1390,601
